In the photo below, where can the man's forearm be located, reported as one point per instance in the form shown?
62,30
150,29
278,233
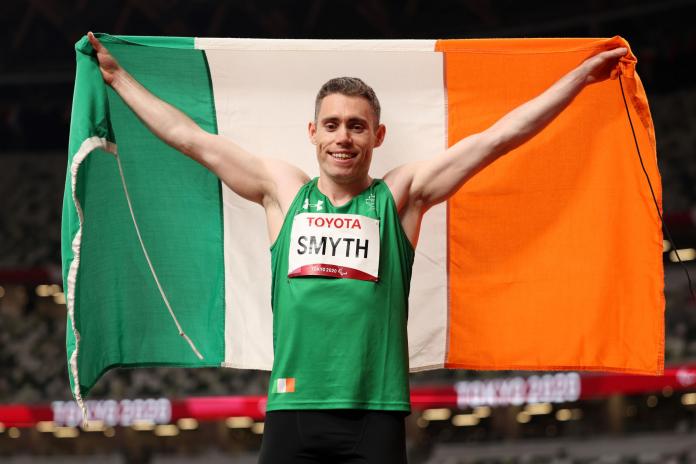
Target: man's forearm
522,123
164,120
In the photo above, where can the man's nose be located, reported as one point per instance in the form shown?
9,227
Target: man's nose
343,135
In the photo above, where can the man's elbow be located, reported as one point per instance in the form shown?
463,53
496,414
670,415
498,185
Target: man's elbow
192,143
497,141
489,144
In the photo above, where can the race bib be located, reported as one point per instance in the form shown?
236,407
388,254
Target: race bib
345,246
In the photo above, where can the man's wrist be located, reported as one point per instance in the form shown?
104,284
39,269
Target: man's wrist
120,79
579,76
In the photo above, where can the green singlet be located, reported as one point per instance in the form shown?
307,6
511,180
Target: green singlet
341,278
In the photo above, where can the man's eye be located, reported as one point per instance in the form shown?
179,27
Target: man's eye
330,126
358,127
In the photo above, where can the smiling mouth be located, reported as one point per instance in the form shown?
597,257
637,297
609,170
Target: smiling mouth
342,155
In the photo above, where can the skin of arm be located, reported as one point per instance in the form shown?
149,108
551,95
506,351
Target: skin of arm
268,182
420,185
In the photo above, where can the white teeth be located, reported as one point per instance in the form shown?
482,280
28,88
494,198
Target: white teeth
342,155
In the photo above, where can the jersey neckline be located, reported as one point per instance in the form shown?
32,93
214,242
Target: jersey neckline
346,205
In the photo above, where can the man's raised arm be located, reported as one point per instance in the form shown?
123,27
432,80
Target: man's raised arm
254,178
428,182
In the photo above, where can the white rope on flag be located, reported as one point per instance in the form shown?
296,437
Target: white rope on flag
149,262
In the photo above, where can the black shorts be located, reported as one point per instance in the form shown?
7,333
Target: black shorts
334,436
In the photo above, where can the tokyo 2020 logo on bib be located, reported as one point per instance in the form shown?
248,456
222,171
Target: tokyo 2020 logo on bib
344,246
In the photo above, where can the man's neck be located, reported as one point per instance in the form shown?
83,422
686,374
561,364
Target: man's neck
340,193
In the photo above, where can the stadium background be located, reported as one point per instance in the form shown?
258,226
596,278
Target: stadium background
615,419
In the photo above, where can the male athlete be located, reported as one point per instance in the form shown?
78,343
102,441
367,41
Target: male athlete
342,247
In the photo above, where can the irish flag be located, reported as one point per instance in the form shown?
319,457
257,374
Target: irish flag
548,259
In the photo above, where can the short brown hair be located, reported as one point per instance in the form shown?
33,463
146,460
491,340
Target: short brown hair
350,87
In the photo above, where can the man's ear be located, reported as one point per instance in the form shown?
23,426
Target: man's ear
380,133
312,131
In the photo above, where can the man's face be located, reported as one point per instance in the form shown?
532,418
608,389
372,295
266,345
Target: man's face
345,133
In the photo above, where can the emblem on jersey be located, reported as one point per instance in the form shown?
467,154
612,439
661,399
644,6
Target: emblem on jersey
370,201
344,246
285,385
319,205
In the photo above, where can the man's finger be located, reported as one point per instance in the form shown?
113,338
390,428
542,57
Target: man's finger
617,52
96,44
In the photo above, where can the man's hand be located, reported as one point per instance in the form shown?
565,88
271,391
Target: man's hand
108,65
602,65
